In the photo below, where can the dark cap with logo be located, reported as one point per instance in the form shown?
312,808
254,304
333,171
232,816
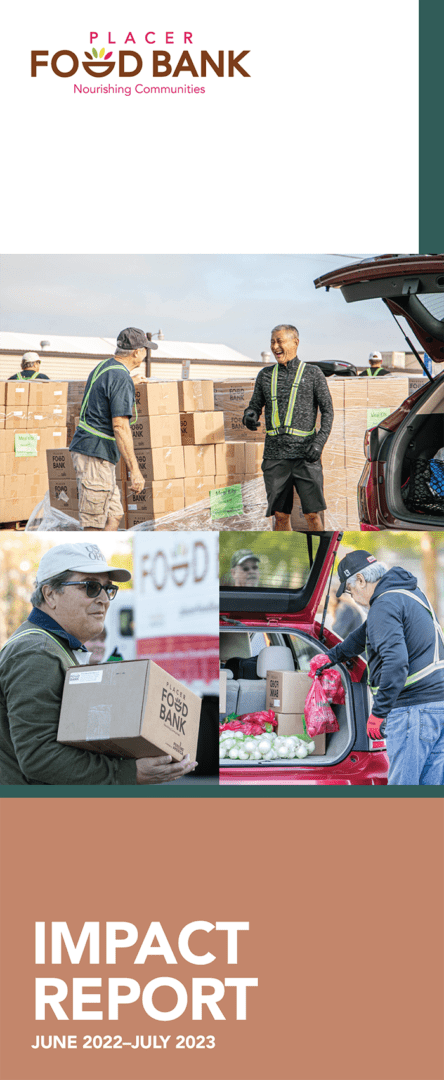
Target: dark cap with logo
132,338
352,564
241,556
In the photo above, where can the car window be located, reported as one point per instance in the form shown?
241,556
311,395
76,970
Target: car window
304,650
260,560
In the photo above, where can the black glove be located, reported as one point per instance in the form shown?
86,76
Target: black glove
313,452
250,420
320,670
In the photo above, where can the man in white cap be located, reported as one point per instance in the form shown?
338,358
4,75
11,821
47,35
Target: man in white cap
30,368
376,368
104,434
73,589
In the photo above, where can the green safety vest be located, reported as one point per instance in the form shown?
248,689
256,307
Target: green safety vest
436,663
276,428
25,633
100,370
372,373
34,376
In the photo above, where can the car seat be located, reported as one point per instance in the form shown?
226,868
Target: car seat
253,693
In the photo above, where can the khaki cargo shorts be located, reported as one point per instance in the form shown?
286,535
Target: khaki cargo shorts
99,496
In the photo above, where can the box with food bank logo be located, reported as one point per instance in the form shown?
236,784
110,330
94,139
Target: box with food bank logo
129,709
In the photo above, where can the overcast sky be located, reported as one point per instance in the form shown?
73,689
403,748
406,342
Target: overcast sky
231,299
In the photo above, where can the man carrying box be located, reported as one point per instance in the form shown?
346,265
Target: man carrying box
104,433
291,392
405,653
73,590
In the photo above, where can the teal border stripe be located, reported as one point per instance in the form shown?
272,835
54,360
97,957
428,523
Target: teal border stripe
213,791
431,126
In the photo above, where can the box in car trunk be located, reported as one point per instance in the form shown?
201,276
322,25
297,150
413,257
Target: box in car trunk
287,691
293,724
132,709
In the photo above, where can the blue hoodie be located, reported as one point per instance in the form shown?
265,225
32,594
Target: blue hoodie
400,639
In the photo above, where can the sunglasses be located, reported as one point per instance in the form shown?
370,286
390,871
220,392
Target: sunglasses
94,588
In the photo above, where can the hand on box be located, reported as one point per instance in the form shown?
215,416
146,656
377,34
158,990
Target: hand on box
137,377
160,770
137,481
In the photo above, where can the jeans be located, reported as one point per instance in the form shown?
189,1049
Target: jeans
415,744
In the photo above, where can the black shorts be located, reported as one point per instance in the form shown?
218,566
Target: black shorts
282,475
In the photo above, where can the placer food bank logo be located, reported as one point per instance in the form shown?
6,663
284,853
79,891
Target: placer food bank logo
128,62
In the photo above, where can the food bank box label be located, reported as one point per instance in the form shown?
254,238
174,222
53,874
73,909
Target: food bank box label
85,676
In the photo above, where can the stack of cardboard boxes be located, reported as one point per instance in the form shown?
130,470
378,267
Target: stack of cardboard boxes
358,404
32,419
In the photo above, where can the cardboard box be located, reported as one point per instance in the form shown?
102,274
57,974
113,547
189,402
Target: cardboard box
46,416
222,691
230,458
196,395
17,394
63,495
47,394
228,481
2,395
197,488
163,463
157,398
59,464
254,453
17,509
293,724
287,690
132,709
158,497
16,418
53,438
201,427
200,460
153,431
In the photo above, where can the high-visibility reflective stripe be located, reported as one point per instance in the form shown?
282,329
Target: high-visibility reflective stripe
23,377
276,428
436,663
372,373
82,422
45,632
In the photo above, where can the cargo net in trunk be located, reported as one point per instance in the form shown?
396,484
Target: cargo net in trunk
424,491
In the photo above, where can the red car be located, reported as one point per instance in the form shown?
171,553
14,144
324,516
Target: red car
402,484
283,613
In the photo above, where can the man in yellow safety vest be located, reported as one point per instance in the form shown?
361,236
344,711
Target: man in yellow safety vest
291,393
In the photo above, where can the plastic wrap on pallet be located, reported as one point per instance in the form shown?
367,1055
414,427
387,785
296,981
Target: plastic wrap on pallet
232,397
45,518
198,516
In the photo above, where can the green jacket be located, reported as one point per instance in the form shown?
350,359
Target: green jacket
32,677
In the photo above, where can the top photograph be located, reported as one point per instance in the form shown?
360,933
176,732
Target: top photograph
295,393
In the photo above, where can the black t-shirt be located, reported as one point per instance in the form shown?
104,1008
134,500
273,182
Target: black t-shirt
109,392
25,375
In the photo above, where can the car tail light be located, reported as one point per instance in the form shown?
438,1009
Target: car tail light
367,448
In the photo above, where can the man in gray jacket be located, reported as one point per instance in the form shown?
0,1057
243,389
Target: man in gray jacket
404,644
74,587
291,393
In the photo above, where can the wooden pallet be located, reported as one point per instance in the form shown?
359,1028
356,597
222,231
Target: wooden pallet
17,526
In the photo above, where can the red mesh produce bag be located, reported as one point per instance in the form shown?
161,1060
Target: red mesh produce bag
254,723
330,680
319,717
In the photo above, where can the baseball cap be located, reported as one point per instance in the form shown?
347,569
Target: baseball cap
355,561
132,338
241,556
77,557
375,356
31,358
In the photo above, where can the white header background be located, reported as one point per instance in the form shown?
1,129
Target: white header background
316,151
